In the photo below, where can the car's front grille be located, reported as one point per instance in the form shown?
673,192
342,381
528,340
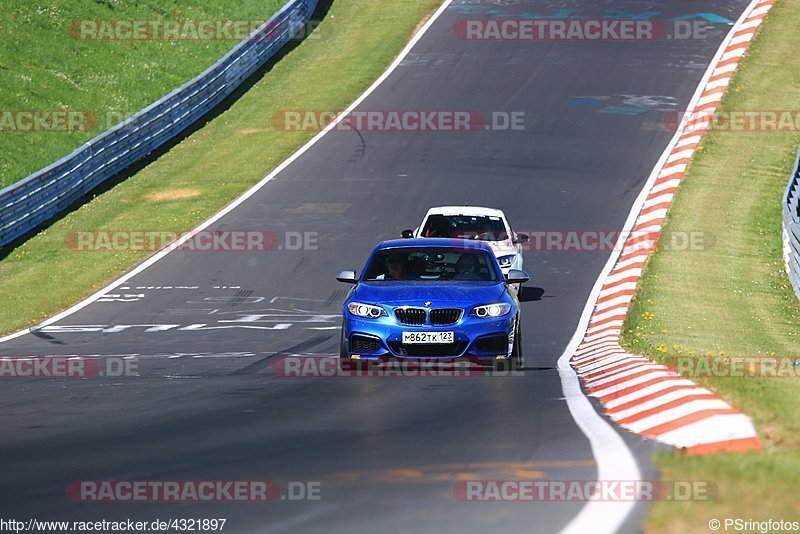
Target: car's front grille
445,316
360,344
418,316
496,343
412,316
452,349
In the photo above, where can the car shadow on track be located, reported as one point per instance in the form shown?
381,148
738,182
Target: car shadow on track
530,294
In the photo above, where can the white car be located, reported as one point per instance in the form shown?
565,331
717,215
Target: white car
472,222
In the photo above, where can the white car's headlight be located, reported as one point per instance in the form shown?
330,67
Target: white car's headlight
491,310
506,261
366,310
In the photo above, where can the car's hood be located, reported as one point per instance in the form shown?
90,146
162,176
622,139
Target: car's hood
433,294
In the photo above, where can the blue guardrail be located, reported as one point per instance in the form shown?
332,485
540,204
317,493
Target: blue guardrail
44,194
791,228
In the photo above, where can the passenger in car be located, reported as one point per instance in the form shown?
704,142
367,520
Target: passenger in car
467,268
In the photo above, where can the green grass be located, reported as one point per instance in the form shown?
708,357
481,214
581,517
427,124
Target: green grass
734,299
43,66
215,164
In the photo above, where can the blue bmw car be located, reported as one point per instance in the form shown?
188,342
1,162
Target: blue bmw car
432,299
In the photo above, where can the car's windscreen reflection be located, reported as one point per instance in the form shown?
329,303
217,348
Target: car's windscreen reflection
430,263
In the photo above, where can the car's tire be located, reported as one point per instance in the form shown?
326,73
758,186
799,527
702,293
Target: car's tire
345,363
517,360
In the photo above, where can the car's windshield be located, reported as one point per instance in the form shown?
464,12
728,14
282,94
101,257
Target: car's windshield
486,228
432,263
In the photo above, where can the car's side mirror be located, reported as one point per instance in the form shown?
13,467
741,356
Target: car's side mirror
516,276
520,238
348,277
407,234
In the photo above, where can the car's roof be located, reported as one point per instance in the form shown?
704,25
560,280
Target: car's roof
466,210
434,242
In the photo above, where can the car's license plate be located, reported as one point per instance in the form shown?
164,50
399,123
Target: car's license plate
412,338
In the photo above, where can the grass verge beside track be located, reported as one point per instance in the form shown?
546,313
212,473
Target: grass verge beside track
734,299
215,164
47,64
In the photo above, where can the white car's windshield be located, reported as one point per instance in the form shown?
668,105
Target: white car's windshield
431,263
486,228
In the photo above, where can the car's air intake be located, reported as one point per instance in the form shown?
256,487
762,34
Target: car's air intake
359,344
423,351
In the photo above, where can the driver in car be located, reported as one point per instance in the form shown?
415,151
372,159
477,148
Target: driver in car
395,268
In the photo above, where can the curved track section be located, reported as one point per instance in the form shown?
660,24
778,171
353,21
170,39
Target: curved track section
206,328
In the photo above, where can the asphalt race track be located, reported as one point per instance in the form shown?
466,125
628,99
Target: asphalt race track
207,403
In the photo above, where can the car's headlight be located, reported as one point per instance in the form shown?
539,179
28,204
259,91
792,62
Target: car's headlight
366,310
506,261
491,310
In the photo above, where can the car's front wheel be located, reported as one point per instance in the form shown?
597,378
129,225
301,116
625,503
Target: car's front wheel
517,360
345,363
514,361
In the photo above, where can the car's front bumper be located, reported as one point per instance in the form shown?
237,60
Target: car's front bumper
475,339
